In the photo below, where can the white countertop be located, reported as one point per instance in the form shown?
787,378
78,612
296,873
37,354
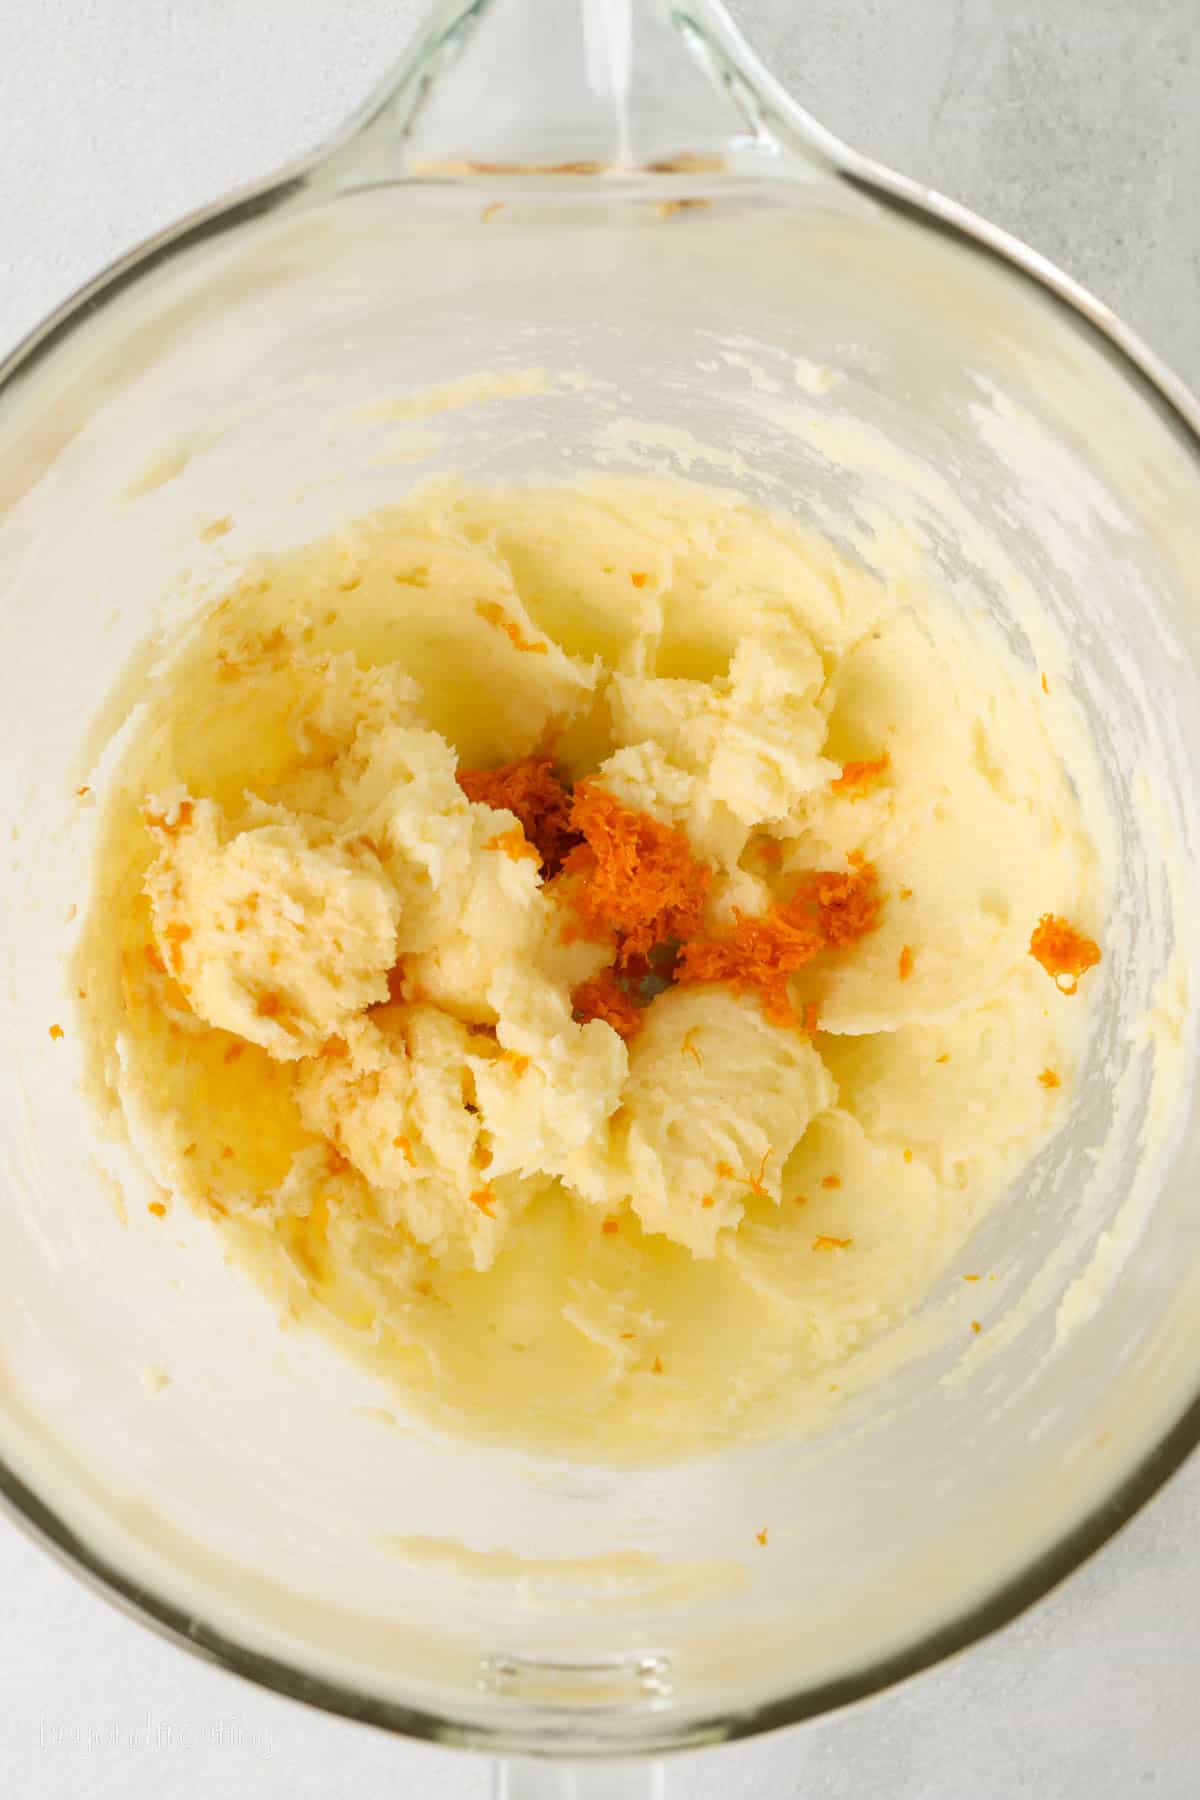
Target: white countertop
1074,123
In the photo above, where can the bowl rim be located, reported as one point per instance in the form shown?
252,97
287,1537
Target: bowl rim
659,1732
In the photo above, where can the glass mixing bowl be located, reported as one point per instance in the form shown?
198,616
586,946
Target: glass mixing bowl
570,236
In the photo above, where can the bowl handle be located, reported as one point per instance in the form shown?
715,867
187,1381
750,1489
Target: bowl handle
577,87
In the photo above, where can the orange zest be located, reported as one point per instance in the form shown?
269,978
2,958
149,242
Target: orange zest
157,1208
831,1243
515,845
1049,1078
1062,951
171,822
56,1031
610,1227
517,1062
758,954
688,1048
858,778
404,1145
494,613
483,1198
847,906
760,1537
755,1182
604,997
905,964
638,881
530,789
831,1181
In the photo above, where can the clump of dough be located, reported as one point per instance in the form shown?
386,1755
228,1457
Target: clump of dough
270,937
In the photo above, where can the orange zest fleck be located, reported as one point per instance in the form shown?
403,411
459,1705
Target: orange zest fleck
517,1062
799,1199
905,963
831,1181
1062,951
628,1337
56,1031
755,1182
494,613
760,1537
905,893
724,1171
610,1227
638,578
970,1277
1049,1079
604,997
943,1058
173,821
908,1156
530,789
638,881
975,1325
82,792
831,1243
707,1200
688,1048
483,1198
157,1208
515,845
656,1366
1045,683
858,778
404,1145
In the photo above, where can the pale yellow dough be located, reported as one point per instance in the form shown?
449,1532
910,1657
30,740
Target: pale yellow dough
335,1010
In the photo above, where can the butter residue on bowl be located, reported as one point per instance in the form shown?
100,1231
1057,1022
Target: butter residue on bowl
575,943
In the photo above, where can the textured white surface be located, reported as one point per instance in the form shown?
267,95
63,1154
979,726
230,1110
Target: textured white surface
1074,123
